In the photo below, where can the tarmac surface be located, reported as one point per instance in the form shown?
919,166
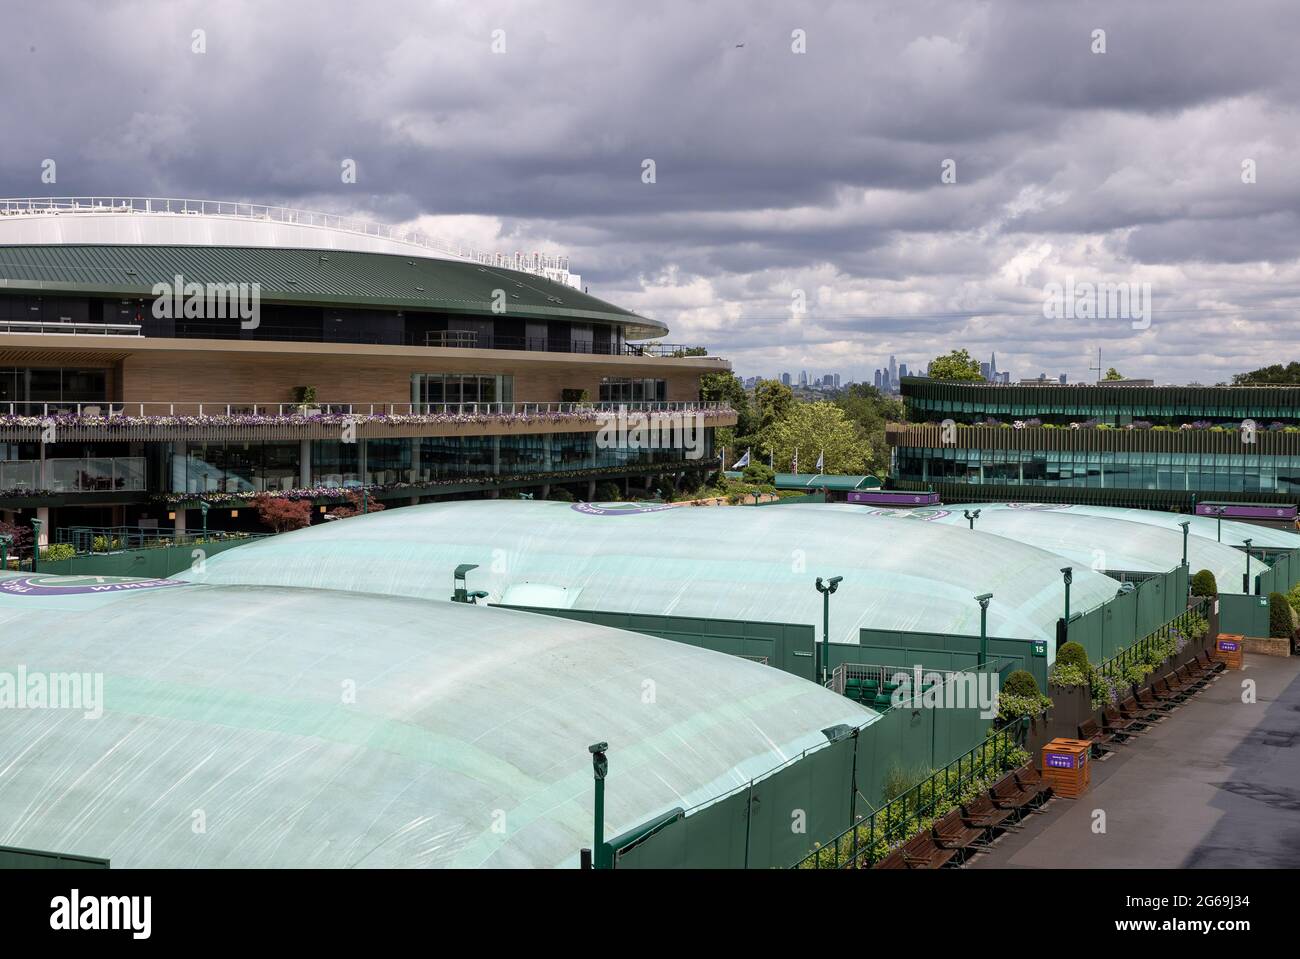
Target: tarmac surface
1216,783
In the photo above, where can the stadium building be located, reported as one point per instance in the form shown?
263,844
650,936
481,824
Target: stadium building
156,354
1108,444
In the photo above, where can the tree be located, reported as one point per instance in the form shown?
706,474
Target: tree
356,507
723,387
817,428
1288,375
1113,374
774,400
281,514
957,365
21,535
870,410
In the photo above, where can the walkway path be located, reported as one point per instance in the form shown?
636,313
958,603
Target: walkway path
1216,784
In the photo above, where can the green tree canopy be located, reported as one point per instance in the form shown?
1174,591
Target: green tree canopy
957,365
1288,375
870,410
1113,374
774,400
817,428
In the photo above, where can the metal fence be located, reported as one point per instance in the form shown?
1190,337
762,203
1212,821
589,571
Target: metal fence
1141,651
908,813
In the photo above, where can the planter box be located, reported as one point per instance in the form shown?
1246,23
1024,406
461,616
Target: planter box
1071,707
1266,646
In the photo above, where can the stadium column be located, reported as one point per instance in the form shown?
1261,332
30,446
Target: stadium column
179,461
304,464
43,517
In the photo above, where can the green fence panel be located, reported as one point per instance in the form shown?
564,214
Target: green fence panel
714,837
1246,615
889,647
154,563
804,803
787,646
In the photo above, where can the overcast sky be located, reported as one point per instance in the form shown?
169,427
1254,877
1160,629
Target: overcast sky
775,171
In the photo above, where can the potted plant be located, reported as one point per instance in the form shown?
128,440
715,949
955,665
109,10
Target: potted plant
305,397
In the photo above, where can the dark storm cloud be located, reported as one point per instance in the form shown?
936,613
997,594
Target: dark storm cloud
775,171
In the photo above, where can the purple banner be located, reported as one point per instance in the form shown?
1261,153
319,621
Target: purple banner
1231,511
893,498
1229,645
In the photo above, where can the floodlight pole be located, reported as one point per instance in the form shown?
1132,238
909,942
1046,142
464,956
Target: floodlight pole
35,543
826,587
1186,525
983,600
972,517
600,769
1068,573
459,594
203,510
1245,585
1218,525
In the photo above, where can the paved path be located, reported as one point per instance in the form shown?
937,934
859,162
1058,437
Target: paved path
1216,784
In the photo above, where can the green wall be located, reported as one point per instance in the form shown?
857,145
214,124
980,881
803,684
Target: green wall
147,563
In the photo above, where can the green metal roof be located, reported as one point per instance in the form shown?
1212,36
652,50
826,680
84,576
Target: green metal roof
823,481
815,481
318,277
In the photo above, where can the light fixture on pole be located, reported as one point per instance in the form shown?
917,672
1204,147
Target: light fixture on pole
1186,525
599,769
983,599
1245,580
826,587
972,517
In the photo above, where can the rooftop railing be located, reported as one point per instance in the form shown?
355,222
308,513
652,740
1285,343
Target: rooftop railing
99,410
542,264
61,328
90,474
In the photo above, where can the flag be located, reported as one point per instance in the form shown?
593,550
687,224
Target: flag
795,463
741,463
820,459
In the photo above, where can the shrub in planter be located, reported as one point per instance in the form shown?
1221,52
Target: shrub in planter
1021,683
58,551
1279,616
1073,654
1066,674
1203,584
608,493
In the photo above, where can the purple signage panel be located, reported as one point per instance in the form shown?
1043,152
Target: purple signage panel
893,498
1229,645
1246,512
1060,760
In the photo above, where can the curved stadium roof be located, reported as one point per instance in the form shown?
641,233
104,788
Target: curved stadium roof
1088,540
310,277
231,701
755,563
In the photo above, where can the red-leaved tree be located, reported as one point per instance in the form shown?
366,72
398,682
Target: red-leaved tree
282,514
354,507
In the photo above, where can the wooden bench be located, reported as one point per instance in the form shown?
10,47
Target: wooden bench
1131,709
951,832
1029,777
1151,698
1090,732
1117,724
922,852
1168,691
1191,678
894,860
982,814
1008,794
1210,664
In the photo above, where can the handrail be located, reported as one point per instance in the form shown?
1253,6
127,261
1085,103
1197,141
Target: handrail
296,412
899,819
541,264
51,327
1138,650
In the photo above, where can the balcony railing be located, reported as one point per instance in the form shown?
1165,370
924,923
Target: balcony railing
542,264
474,340
296,412
92,474
61,328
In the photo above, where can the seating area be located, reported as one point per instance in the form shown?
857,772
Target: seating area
955,837
965,828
